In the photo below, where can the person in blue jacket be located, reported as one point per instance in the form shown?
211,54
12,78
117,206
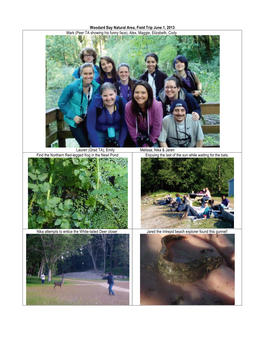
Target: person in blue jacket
87,55
75,100
173,90
106,123
110,281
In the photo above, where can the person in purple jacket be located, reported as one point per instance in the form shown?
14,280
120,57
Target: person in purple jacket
106,123
143,115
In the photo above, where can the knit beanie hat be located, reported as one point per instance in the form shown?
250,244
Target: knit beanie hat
178,103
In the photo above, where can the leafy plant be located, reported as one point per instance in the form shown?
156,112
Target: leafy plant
77,193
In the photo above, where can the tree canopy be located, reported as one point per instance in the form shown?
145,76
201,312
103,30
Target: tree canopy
58,253
186,174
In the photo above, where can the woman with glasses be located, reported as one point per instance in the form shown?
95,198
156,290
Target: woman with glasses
75,100
173,90
87,55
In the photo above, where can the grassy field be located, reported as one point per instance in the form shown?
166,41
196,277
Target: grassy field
75,292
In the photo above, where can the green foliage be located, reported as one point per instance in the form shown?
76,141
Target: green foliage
77,193
186,175
62,57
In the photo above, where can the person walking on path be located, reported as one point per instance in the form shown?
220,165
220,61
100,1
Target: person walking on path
43,278
110,281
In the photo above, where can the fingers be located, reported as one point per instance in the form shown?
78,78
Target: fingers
195,116
223,245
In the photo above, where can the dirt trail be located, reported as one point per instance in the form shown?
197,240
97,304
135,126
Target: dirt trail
117,287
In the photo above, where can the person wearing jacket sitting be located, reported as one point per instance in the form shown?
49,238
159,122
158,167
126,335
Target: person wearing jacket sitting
143,116
106,123
173,90
153,75
110,281
75,101
189,209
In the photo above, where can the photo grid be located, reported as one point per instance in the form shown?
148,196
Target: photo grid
131,186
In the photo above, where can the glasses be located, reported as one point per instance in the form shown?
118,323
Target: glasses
87,55
170,87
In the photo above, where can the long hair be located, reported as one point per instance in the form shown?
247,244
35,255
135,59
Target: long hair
103,74
134,105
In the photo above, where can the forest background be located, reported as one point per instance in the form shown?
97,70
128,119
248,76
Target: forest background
57,254
186,175
203,53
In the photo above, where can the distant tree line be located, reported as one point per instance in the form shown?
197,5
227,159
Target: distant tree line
57,253
186,174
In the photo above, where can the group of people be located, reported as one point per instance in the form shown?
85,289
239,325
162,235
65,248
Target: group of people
185,205
105,107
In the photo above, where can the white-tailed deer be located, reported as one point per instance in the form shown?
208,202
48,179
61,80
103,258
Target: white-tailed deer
59,284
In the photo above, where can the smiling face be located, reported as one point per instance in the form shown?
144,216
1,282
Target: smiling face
87,75
171,90
107,66
123,73
179,114
141,95
151,64
179,66
109,97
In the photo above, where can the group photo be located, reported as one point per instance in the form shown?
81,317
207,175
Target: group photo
132,91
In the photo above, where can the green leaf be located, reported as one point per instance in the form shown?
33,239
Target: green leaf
32,176
65,224
45,187
41,219
43,176
53,201
68,204
57,222
35,188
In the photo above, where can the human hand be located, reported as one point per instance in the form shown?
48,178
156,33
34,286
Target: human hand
196,93
216,289
77,119
195,116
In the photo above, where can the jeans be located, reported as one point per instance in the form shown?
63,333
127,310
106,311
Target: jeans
80,134
204,199
110,289
193,212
